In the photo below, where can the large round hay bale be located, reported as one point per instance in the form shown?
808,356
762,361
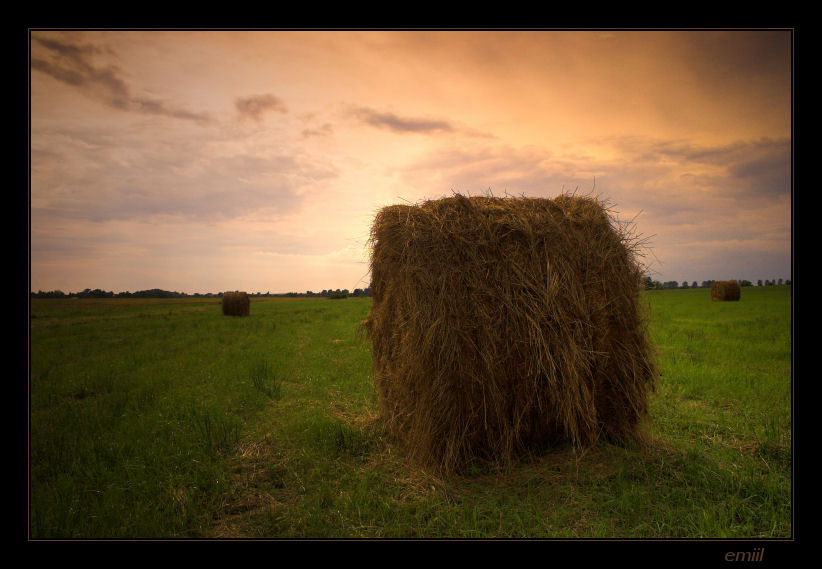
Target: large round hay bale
725,290
499,325
236,304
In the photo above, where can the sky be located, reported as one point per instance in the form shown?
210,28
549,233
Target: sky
205,161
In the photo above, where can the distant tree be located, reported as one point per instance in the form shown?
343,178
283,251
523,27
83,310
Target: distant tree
158,293
788,282
671,284
96,293
694,285
707,284
780,282
684,284
759,282
744,283
49,294
647,283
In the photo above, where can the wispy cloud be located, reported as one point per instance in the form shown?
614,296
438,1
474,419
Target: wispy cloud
256,106
686,191
474,169
324,130
402,125
93,175
74,65
743,168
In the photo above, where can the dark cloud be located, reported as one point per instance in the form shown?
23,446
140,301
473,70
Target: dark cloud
255,106
73,64
760,167
683,192
402,125
740,55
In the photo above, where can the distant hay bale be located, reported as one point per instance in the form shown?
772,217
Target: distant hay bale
236,304
725,290
499,325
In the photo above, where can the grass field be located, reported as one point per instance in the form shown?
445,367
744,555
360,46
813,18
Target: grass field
166,419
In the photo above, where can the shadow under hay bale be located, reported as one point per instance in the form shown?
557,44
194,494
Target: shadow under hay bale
499,325
725,290
236,304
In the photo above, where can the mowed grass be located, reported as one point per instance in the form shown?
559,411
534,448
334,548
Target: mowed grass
166,419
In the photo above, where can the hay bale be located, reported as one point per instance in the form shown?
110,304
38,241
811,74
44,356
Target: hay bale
499,325
236,304
725,290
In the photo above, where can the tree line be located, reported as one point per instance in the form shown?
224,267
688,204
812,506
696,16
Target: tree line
336,293
159,293
648,284
651,284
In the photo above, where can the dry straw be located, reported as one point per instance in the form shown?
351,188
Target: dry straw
501,325
725,290
236,304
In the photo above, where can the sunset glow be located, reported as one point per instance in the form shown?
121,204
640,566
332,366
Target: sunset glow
204,161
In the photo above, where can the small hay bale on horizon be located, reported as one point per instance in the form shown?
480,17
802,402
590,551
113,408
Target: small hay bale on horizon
236,303
501,325
725,290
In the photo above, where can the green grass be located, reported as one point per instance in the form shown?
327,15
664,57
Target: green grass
166,419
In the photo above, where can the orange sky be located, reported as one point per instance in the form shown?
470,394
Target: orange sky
203,161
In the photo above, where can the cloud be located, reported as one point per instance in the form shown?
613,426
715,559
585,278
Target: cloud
73,65
255,106
722,57
95,175
402,125
325,130
474,169
686,192
752,168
